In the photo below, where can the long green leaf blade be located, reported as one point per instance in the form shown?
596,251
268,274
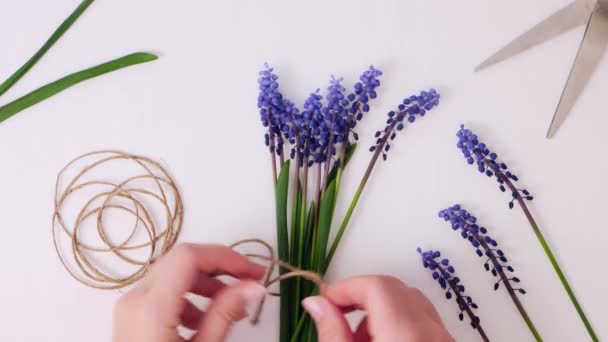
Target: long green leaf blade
295,221
67,23
326,211
58,86
282,190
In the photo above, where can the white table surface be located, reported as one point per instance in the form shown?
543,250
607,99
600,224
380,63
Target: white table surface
195,109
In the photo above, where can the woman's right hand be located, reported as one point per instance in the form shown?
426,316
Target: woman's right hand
395,312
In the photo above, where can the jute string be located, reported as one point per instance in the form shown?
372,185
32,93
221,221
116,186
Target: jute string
159,241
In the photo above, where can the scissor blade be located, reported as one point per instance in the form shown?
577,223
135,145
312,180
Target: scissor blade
589,54
563,20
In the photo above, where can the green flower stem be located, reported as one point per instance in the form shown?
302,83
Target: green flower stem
548,251
296,240
299,327
53,88
559,272
339,176
67,23
301,231
355,200
286,311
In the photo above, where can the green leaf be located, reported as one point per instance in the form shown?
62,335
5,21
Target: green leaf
53,88
67,23
298,249
325,218
295,222
310,221
308,286
348,154
286,312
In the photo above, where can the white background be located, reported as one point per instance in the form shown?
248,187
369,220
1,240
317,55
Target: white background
195,109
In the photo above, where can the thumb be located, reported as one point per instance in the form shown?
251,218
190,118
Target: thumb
227,307
330,321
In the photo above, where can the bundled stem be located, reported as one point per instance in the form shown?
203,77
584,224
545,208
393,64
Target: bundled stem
546,248
283,251
296,229
327,162
273,160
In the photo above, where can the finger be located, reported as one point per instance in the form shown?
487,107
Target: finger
191,316
178,273
385,300
362,332
370,293
421,300
329,320
207,286
227,307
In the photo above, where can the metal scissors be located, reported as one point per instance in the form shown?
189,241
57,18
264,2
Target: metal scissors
592,48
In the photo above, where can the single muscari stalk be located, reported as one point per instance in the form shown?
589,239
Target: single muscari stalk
410,109
364,91
55,87
334,113
487,162
278,116
461,220
443,273
67,23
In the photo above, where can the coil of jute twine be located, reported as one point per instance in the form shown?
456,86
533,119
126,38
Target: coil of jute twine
159,239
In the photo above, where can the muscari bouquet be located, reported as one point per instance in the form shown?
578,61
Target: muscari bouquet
309,149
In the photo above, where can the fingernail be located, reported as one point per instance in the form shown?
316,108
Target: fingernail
311,304
253,291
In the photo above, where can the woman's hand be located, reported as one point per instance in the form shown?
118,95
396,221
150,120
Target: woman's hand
152,311
395,312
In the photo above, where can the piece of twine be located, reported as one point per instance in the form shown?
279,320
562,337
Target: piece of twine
159,241
277,263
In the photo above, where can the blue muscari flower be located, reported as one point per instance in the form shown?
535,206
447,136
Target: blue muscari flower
312,124
364,91
336,111
476,152
411,108
272,109
443,273
496,262
289,117
333,127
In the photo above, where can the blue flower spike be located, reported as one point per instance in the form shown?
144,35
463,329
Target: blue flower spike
487,162
485,246
443,273
312,125
407,112
270,100
276,113
364,92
